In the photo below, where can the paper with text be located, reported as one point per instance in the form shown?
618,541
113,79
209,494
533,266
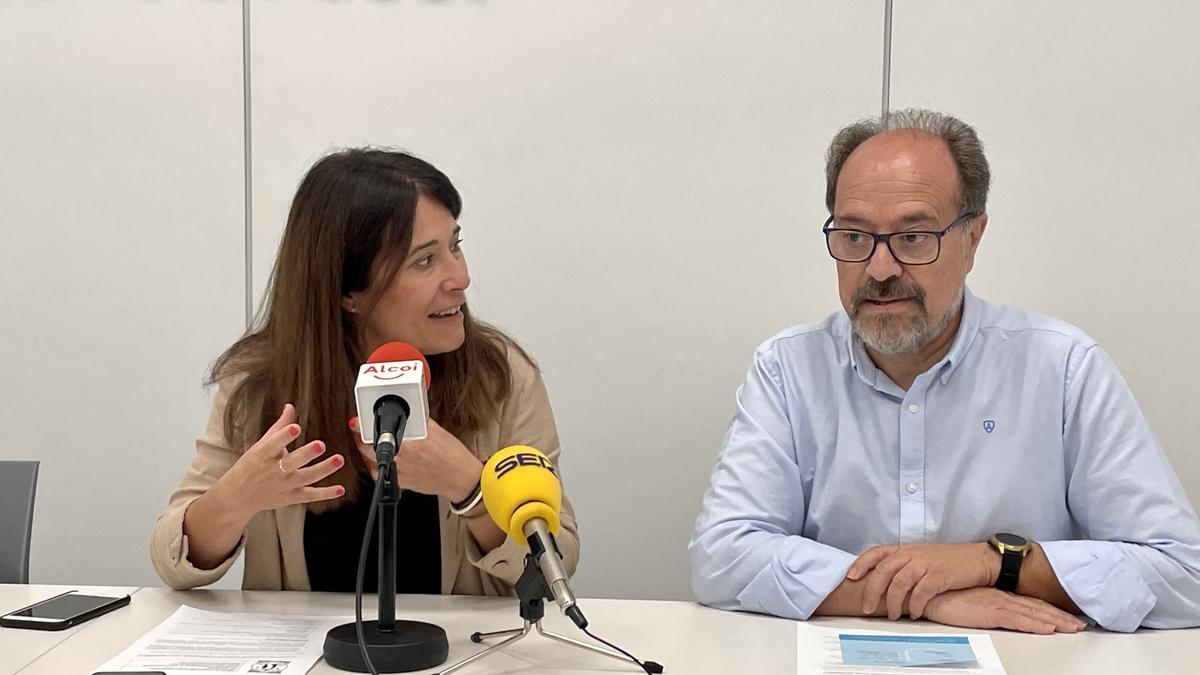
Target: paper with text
197,641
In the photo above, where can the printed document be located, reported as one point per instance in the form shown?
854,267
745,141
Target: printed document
196,641
834,651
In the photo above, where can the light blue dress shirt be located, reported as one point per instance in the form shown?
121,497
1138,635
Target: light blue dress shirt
1025,426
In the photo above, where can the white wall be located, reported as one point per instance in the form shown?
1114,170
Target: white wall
1088,113
120,249
635,212
644,193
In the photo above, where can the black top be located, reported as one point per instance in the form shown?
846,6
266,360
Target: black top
333,539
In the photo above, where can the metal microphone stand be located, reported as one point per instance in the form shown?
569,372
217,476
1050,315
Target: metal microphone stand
533,592
394,646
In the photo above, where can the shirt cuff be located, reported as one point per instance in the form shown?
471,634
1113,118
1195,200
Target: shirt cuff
169,549
190,576
793,586
1102,582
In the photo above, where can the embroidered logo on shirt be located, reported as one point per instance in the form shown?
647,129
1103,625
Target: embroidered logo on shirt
989,425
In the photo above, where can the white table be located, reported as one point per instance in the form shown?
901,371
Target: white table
686,638
19,648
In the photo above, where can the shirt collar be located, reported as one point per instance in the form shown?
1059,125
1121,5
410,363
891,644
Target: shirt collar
968,328
860,361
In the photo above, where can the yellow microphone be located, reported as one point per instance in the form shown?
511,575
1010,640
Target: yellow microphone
523,495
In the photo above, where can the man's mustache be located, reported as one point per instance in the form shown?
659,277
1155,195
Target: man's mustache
888,289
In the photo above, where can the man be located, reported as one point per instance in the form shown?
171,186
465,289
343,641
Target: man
929,454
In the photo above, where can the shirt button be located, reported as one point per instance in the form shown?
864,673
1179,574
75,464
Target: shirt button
913,408
911,487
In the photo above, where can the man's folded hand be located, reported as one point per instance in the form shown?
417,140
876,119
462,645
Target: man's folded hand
922,570
989,608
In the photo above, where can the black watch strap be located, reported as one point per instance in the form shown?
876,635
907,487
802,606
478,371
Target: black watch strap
1010,571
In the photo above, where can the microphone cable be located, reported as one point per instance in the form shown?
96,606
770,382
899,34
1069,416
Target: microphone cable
362,568
651,667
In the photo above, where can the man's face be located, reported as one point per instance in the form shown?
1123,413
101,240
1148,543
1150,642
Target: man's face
897,182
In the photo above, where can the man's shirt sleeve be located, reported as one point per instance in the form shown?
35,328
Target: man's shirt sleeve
747,552
1139,561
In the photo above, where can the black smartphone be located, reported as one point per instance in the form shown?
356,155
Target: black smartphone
62,611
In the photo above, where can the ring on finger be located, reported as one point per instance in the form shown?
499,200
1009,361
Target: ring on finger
283,470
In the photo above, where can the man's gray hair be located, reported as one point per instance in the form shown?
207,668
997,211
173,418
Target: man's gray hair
965,147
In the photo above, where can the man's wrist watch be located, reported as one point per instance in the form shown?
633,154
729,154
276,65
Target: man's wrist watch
1012,549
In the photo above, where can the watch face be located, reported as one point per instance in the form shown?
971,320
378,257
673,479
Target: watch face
1011,540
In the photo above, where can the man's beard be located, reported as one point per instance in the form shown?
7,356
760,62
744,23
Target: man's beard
888,333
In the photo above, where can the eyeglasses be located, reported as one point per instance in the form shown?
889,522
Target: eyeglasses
913,247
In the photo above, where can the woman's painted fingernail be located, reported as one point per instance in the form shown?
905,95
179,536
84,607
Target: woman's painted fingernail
341,490
353,422
318,448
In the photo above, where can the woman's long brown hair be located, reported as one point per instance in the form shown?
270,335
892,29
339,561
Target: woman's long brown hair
349,230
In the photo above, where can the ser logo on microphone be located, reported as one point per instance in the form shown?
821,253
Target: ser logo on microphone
523,459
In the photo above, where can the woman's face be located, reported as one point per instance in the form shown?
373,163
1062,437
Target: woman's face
423,304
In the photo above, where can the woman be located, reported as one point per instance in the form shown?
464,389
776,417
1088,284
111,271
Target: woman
371,254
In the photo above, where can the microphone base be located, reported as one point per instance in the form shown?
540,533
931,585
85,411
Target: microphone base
532,592
516,634
413,645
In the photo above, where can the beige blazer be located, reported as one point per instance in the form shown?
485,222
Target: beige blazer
274,540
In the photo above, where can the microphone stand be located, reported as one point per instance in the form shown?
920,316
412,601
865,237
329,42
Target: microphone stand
393,646
533,591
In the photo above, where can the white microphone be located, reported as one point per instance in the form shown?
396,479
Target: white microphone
390,393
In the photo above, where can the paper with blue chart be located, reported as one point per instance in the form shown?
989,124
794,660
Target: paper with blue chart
838,651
